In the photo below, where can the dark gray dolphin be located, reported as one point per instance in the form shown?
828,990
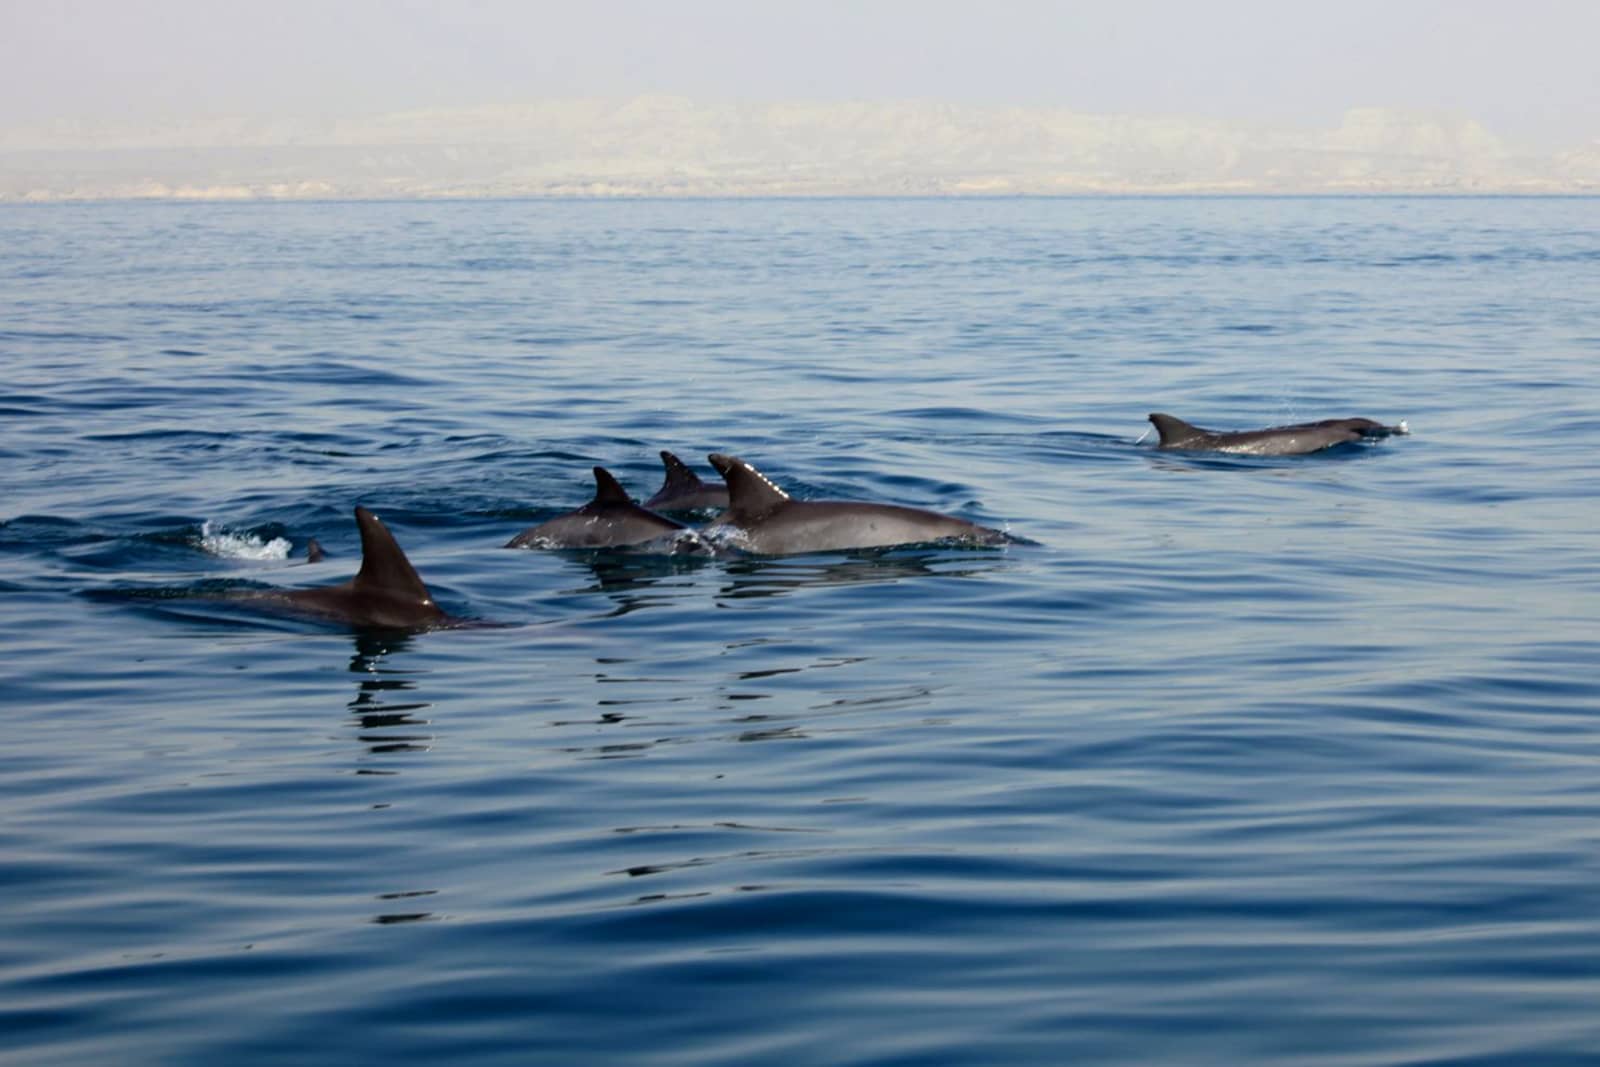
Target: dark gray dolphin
762,518
385,594
684,491
1177,435
610,520
314,552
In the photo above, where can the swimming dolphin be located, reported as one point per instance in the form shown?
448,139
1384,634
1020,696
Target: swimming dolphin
314,552
763,519
684,491
385,594
610,520
1177,435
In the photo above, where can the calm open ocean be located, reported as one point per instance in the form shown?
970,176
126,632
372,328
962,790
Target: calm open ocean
1245,761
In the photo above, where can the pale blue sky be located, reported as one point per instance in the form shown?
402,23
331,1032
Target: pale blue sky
1525,68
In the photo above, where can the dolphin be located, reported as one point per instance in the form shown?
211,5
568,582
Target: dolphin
763,519
610,520
684,491
1177,435
314,552
385,594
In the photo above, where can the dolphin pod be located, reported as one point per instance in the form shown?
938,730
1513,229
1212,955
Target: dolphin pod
756,517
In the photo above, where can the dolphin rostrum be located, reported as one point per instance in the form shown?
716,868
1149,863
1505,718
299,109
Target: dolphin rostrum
610,520
684,491
385,594
1177,435
763,519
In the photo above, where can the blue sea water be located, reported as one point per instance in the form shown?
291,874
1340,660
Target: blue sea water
1244,761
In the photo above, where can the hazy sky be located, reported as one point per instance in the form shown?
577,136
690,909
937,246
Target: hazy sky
1526,68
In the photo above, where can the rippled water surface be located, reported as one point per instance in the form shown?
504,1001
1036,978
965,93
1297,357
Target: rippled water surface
1245,761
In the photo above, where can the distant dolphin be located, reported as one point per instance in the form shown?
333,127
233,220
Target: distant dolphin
763,519
610,520
314,552
1177,435
684,491
385,594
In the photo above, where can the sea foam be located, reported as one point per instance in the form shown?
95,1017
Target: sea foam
220,541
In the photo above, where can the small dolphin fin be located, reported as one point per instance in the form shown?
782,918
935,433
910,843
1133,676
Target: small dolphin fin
680,479
749,491
314,552
1172,429
607,490
384,568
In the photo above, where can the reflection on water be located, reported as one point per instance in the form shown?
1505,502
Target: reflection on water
1199,462
761,577
393,917
627,577
635,579
386,725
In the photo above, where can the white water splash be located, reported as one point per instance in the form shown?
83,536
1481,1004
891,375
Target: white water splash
685,542
221,542
722,540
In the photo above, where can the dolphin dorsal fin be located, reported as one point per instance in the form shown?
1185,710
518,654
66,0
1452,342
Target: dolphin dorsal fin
680,479
1172,429
607,490
749,491
384,568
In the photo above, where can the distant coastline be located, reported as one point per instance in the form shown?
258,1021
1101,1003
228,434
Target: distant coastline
674,147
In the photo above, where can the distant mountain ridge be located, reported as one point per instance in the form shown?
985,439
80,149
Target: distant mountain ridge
672,146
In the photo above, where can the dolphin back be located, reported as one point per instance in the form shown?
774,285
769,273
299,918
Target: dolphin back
607,490
680,479
764,519
610,520
750,493
1294,440
1175,433
683,490
385,570
386,593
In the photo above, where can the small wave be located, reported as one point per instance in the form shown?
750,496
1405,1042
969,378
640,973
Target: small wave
225,543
